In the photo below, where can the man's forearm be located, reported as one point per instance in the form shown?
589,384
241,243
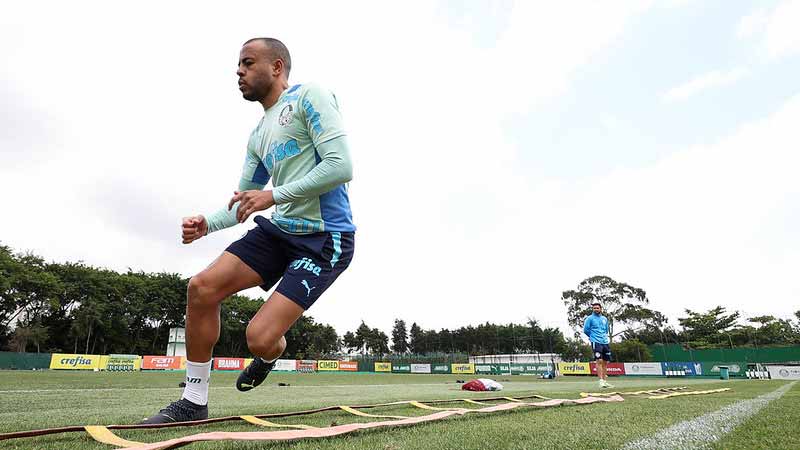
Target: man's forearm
222,218
334,169
226,218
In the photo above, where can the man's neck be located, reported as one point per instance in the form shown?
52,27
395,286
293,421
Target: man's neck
274,93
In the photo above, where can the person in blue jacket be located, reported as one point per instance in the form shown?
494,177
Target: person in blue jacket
596,328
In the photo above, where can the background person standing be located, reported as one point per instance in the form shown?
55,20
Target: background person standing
596,328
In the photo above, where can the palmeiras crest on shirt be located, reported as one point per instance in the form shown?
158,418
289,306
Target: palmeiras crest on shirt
285,117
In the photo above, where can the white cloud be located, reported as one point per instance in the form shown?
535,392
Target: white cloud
752,24
705,226
547,41
156,131
782,33
151,128
777,30
706,81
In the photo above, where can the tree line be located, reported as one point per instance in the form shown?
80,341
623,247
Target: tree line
488,338
633,321
76,308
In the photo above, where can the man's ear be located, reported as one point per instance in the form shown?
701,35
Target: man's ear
278,67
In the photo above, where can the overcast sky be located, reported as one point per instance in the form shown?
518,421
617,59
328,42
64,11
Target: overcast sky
503,151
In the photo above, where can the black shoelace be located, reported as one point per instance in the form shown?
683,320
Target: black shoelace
181,410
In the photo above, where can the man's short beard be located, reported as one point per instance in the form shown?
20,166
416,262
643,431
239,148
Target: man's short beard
255,94
252,97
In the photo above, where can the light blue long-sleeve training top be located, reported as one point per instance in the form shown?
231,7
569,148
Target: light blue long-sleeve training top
596,327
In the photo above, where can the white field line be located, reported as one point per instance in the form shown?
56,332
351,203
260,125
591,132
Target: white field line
708,428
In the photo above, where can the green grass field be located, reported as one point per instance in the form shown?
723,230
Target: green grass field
45,399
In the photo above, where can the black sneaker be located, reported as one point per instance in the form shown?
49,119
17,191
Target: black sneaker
254,374
181,411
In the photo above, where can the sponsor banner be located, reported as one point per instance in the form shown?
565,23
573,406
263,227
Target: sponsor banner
483,368
784,372
306,365
75,362
734,369
643,368
383,367
531,368
163,363
284,365
229,364
122,363
401,368
612,368
492,369
689,368
420,368
327,365
578,368
348,366
440,368
465,368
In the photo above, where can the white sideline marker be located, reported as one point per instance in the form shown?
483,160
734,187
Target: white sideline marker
708,428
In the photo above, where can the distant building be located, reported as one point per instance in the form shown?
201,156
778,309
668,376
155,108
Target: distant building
176,344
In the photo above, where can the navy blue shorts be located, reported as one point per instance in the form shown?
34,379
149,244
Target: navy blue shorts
601,351
308,263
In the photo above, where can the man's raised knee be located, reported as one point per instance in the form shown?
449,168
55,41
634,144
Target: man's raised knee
255,339
260,341
200,292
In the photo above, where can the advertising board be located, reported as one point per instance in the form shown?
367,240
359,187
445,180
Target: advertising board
122,363
229,363
465,368
401,368
162,362
612,368
420,368
440,368
784,372
643,368
574,368
306,365
531,368
492,369
285,365
74,361
348,366
327,365
689,368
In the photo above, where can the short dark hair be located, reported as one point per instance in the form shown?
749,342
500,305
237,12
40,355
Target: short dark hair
597,303
277,51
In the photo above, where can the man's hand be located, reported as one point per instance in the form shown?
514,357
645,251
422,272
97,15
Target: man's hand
194,228
250,202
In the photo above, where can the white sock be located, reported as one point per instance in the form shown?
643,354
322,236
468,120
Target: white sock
197,375
269,360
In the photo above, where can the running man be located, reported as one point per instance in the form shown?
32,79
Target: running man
307,243
596,328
